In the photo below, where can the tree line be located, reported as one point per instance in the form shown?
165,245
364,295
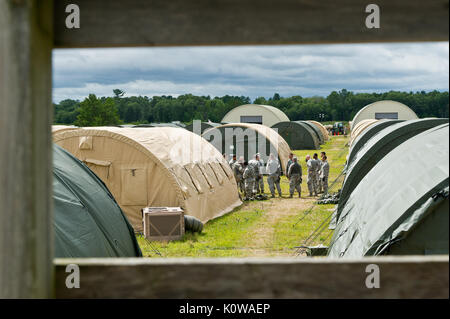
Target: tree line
337,106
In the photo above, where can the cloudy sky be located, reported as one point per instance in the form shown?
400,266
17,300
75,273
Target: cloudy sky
252,71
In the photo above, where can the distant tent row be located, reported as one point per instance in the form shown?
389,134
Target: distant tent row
255,114
245,139
302,135
298,135
162,166
157,125
385,109
202,127
395,194
87,220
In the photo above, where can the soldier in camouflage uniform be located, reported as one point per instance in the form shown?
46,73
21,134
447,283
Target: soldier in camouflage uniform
325,171
295,177
249,181
259,183
274,171
318,165
312,169
320,183
238,170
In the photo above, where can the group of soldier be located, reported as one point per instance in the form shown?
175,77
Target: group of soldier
250,175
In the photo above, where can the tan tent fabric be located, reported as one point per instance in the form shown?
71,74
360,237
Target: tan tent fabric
270,114
359,128
270,134
161,166
322,129
401,111
60,128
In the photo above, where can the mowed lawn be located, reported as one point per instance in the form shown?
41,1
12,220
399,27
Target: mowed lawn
272,227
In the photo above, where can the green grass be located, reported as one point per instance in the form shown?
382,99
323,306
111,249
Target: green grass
257,228
220,237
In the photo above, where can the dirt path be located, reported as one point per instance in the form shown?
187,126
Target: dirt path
275,210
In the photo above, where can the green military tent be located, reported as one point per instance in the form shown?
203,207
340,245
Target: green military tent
376,148
401,205
367,134
87,220
316,130
298,135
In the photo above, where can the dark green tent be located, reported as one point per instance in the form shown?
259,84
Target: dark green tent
203,127
316,130
298,135
87,220
376,148
367,134
401,206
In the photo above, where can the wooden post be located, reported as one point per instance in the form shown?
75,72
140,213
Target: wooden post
231,278
26,234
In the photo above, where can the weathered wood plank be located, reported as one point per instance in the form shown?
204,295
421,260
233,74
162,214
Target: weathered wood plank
401,277
220,22
26,239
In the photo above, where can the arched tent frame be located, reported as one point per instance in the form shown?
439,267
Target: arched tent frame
162,166
367,134
316,130
270,114
203,127
270,136
378,147
322,128
385,211
298,135
384,106
83,205
359,129
62,128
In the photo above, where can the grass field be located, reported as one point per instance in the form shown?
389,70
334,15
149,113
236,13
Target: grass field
262,228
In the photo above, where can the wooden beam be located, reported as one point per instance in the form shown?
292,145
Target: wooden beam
26,235
401,277
116,23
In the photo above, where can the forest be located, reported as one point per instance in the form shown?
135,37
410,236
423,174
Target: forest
337,106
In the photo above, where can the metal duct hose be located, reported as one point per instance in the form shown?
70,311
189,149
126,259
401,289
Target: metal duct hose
192,224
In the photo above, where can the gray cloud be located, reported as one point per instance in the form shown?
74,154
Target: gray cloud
251,70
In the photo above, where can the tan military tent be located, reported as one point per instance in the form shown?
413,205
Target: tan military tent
161,166
60,128
359,128
322,129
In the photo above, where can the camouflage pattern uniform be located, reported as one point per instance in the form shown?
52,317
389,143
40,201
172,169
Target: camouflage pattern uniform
274,171
259,184
249,181
295,179
324,172
312,176
238,170
319,179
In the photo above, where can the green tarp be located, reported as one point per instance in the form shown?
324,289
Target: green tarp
298,135
316,130
401,205
87,220
376,148
367,134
